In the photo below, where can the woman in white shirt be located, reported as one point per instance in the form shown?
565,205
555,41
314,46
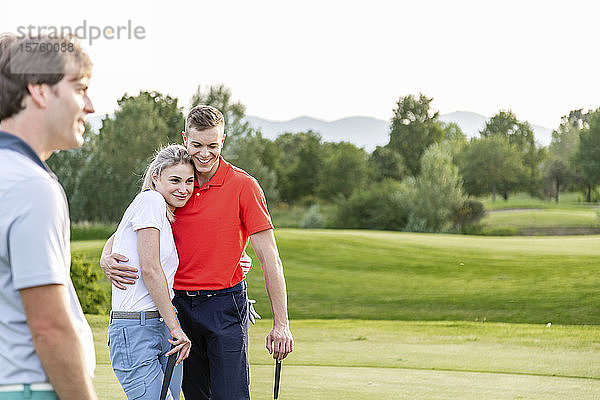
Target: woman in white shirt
143,324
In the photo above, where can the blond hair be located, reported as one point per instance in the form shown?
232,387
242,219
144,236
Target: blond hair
166,157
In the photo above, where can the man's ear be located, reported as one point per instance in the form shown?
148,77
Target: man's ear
223,140
184,138
39,94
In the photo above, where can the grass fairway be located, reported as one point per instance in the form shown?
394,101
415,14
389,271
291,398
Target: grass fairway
543,221
525,215
430,277
350,359
567,201
366,308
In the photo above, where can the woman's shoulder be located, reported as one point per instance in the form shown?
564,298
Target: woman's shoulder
148,201
150,196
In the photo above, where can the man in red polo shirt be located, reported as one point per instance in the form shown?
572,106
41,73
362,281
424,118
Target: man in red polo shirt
211,232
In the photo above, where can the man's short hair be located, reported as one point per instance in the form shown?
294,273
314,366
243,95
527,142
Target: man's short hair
36,60
204,117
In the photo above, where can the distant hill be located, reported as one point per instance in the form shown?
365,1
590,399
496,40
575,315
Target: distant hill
366,132
472,123
370,132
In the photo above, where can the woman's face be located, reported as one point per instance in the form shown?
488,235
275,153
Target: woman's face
176,184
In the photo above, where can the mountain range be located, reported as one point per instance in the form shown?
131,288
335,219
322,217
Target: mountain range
366,132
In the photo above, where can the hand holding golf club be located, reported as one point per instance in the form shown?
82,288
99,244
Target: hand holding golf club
280,342
181,344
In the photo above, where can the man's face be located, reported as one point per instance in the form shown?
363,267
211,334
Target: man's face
205,147
68,108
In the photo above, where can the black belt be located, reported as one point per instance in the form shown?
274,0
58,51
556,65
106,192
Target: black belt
193,293
134,314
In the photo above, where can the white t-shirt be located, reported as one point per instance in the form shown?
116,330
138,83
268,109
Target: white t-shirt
34,251
147,210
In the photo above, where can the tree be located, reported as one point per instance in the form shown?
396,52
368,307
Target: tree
67,165
436,193
220,97
454,138
414,127
120,153
489,165
559,168
385,163
588,154
344,169
519,134
298,169
258,156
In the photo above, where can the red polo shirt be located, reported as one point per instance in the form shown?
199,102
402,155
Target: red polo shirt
211,231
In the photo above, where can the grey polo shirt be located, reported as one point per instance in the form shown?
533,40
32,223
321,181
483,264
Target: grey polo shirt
34,251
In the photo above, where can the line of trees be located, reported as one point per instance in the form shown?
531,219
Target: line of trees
423,179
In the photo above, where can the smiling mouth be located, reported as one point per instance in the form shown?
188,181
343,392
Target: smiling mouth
204,162
180,197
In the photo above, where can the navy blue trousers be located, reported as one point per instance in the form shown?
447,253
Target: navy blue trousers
217,324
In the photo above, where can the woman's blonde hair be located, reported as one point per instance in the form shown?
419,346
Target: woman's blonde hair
173,154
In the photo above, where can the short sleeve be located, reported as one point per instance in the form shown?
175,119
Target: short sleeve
253,208
150,211
38,237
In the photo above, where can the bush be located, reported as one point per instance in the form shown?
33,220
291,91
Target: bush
381,206
93,298
313,218
435,193
469,214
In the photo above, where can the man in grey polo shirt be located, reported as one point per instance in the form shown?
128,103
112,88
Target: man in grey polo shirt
46,346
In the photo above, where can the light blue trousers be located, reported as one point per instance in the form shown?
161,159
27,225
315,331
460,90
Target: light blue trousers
137,353
29,394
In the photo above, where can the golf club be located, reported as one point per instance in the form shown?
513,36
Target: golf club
168,374
277,378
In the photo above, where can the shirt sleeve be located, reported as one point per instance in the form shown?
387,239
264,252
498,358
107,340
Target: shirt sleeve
38,238
253,208
150,211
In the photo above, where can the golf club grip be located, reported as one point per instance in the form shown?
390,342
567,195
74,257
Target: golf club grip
277,379
168,374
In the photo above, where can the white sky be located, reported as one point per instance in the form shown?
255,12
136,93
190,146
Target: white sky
334,59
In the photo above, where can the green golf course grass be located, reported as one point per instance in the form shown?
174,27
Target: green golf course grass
358,359
392,315
542,221
333,274
532,216
567,201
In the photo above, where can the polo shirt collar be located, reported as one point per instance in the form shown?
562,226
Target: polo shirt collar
14,143
219,177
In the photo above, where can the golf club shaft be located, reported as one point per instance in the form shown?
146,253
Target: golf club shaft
168,374
277,379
